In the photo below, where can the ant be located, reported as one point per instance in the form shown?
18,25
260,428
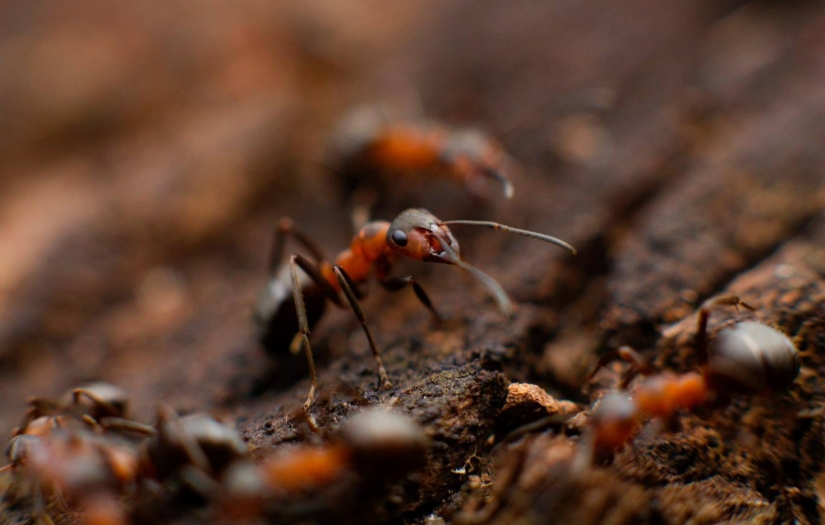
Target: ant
415,234
194,449
54,457
367,145
100,405
747,358
378,445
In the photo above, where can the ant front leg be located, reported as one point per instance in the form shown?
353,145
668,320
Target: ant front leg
347,286
399,283
638,364
701,341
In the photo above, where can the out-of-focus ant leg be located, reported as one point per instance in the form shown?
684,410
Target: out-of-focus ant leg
638,364
172,430
701,341
127,425
347,286
362,202
41,517
98,401
399,283
288,228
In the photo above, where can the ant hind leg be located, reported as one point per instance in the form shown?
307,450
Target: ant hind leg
701,340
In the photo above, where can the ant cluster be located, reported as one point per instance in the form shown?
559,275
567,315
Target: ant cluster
749,358
87,456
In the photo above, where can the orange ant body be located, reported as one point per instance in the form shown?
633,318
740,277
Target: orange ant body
375,445
366,145
747,358
61,457
75,449
415,234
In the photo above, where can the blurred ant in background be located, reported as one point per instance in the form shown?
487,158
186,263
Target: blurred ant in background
99,405
369,449
373,154
747,358
82,470
415,233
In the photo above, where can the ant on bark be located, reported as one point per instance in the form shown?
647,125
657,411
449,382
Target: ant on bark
746,358
416,234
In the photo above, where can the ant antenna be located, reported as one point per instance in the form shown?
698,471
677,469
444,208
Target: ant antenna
505,182
504,303
526,233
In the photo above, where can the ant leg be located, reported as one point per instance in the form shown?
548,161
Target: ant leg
40,406
91,422
40,515
31,415
362,201
284,229
347,286
125,425
295,262
398,283
701,340
303,328
171,429
200,482
98,401
638,364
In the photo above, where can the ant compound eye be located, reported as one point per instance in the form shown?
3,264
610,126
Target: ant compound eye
399,238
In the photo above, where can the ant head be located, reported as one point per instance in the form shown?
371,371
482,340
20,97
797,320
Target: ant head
418,234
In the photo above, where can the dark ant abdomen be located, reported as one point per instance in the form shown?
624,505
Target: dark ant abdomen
276,319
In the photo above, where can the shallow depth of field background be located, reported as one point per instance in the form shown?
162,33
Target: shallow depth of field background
147,151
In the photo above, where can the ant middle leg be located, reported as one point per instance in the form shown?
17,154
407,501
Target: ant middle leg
348,286
638,364
399,283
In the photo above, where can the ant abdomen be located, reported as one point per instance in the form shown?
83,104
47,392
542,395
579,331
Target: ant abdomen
276,319
752,358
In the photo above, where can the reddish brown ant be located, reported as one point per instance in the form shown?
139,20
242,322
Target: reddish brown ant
367,145
375,445
100,405
193,449
416,234
747,358
61,457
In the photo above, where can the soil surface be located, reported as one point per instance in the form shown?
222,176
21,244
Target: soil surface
149,151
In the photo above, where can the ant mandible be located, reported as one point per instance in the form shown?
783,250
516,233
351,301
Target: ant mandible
747,358
416,234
